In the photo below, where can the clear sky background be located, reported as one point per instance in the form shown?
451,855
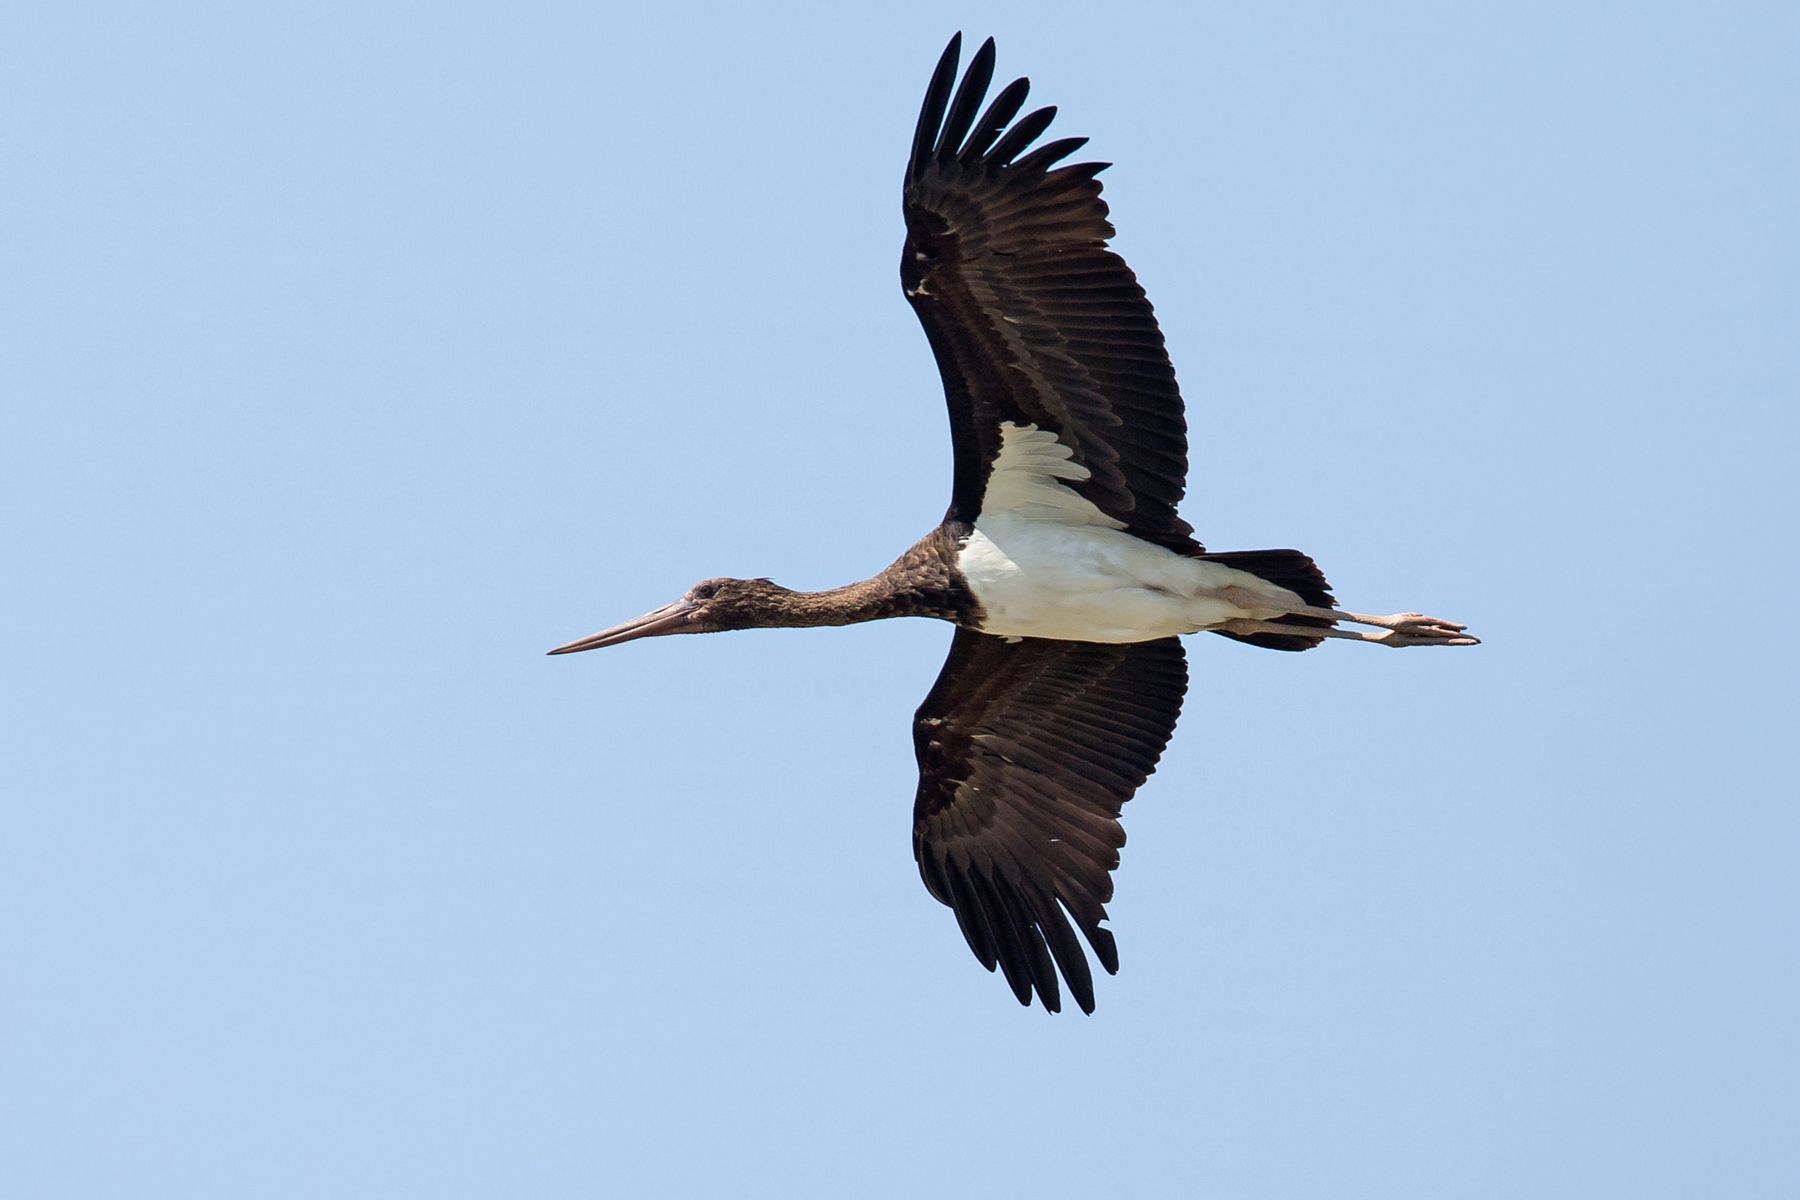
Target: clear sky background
355,354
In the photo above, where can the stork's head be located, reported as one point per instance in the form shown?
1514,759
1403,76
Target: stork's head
709,606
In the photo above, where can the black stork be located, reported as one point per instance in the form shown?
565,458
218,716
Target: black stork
1061,562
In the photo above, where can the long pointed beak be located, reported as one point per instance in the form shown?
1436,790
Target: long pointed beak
670,618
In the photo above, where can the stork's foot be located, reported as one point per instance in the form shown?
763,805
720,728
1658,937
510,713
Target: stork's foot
1440,634
1410,629
1411,623
1413,629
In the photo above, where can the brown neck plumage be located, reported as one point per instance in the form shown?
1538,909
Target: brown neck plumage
921,583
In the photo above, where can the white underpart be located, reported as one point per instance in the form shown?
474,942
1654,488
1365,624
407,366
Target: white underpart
1044,562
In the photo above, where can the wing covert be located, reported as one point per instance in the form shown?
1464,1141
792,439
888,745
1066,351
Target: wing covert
1027,751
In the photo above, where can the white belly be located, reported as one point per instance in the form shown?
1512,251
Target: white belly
1089,583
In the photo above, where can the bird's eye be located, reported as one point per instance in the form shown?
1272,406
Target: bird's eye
705,591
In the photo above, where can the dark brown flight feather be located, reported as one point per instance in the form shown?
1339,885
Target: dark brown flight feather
1032,319
1027,750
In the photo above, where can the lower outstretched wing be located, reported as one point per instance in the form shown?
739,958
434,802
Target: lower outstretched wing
1027,750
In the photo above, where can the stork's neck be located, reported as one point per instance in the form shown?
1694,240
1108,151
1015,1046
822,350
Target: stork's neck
847,605
923,582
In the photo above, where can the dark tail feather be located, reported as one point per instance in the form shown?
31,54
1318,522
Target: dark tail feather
1283,568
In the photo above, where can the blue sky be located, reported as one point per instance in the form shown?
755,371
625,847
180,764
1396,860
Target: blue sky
357,354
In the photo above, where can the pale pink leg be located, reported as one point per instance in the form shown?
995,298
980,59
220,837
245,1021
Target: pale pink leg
1393,637
1405,629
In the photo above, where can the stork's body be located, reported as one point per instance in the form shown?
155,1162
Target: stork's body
1042,561
1061,561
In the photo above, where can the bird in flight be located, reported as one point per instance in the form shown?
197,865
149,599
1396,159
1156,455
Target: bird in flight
1061,562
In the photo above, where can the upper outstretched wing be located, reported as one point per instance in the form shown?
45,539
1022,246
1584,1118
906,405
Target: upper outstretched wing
1032,319
1027,750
